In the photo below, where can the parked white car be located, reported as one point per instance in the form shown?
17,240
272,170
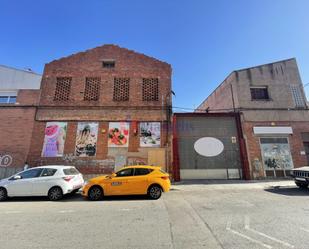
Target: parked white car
53,181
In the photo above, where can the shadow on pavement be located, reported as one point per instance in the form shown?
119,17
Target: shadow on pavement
77,197
228,181
288,191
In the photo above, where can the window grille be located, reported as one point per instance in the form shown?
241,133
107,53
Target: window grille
150,89
297,96
121,89
63,89
92,89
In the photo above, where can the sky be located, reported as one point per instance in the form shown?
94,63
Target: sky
203,40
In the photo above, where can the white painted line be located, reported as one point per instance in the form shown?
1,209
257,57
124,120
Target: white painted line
125,209
305,230
228,228
247,227
66,211
13,212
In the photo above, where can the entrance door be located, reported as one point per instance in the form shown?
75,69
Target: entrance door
306,145
276,155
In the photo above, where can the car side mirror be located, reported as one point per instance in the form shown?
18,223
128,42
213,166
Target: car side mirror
113,175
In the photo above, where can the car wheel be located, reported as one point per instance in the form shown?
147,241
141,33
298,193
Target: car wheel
3,194
55,194
154,192
95,193
302,185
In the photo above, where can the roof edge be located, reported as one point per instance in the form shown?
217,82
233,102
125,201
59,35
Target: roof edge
23,70
111,45
243,69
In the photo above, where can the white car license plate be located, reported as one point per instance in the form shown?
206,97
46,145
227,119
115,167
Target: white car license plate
300,179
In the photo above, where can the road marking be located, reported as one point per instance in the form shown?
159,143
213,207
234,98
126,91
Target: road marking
125,209
305,230
247,227
66,211
13,212
228,228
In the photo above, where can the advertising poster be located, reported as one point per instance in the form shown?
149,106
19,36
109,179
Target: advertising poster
54,139
150,134
118,134
86,139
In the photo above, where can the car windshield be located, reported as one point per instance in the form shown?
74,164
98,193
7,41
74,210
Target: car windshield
71,171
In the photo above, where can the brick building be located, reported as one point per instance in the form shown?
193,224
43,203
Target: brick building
19,94
274,115
102,109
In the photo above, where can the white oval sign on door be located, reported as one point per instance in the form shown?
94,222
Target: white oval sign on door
208,146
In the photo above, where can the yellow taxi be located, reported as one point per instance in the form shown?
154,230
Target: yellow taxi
130,180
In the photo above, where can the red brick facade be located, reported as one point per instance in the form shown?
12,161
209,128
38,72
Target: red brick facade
295,143
16,126
75,71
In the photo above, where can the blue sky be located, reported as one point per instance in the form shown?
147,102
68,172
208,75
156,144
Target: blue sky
203,40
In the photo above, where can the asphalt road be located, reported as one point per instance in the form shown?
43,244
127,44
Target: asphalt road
237,215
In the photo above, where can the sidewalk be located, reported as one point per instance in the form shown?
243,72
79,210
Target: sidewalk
189,185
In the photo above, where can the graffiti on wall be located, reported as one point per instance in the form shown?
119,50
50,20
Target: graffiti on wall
5,160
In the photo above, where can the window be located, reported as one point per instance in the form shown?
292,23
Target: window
150,89
48,172
125,172
71,171
108,64
92,89
297,96
8,97
276,153
63,89
141,171
121,89
31,173
259,93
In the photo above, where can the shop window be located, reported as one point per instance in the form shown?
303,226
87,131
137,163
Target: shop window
276,153
259,93
92,89
121,89
63,89
150,89
298,97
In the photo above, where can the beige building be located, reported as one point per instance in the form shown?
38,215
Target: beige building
274,115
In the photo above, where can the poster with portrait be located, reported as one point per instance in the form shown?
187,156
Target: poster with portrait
118,134
54,139
150,134
86,139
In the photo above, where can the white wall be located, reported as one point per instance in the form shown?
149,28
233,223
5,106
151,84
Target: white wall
13,79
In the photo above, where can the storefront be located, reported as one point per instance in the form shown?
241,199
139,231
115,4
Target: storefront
275,150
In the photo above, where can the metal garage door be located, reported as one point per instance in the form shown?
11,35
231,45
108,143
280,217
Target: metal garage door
208,147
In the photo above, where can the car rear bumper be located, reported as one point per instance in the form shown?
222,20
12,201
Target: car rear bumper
166,186
69,187
301,180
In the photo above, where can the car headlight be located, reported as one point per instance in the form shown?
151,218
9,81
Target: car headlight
86,182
